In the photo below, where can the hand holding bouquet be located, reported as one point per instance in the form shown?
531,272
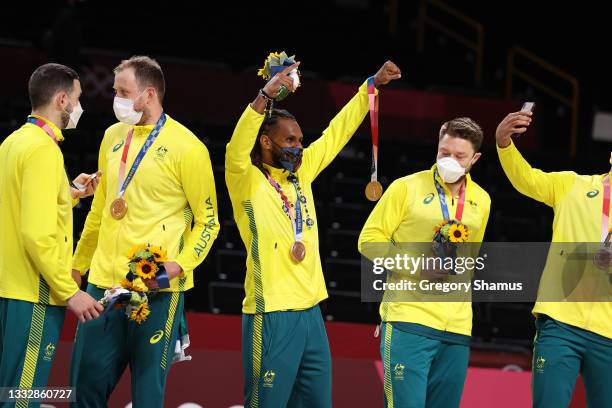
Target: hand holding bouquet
146,274
446,237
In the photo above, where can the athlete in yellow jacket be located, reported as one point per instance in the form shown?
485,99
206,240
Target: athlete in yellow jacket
572,337
425,344
36,232
269,175
172,188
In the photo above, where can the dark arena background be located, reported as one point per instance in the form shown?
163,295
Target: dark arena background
476,59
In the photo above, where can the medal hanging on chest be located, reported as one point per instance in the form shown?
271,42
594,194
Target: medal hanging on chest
119,206
298,249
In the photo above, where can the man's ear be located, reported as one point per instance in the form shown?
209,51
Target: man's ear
60,100
476,157
151,94
265,141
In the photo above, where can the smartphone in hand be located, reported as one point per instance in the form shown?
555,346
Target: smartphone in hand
83,187
527,107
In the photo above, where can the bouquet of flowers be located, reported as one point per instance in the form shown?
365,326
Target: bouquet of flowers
275,63
447,235
146,269
451,232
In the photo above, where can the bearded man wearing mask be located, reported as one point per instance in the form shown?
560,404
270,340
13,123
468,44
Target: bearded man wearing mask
269,176
425,344
157,182
36,203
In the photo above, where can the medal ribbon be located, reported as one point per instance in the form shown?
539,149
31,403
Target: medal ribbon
605,211
297,230
296,220
123,183
444,207
373,103
44,126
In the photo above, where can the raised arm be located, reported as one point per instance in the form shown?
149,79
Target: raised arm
238,151
343,126
548,188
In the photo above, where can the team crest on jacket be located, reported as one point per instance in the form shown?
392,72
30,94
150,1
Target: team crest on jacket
161,152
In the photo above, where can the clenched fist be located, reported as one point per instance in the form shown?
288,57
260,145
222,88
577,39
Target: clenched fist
387,73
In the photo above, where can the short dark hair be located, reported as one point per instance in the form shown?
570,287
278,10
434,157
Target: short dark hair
464,128
47,80
268,125
147,71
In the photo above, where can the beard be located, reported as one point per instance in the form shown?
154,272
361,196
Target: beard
65,118
276,156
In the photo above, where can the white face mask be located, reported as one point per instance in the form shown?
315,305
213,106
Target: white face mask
124,111
449,169
75,115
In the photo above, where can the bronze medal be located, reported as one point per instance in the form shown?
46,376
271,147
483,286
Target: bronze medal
298,251
118,208
373,191
602,259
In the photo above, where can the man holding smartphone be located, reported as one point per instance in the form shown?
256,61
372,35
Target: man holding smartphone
572,337
36,231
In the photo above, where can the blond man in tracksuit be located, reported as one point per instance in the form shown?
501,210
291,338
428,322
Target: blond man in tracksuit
171,188
425,344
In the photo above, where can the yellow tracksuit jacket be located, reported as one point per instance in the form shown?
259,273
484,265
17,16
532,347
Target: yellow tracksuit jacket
407,213
273,281
577,203
35,218
172,188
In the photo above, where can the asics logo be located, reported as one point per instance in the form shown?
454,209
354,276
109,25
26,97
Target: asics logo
592,193
118,146
156,337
